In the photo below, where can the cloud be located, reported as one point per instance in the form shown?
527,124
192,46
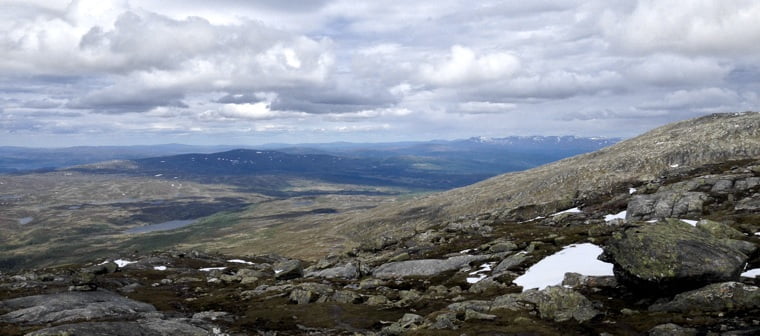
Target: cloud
704,98
478,107
463,66
672,69
688,27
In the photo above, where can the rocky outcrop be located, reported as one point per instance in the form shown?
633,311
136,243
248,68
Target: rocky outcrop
348,271
560,304
671,255
71,306
666,204
719,297
142,327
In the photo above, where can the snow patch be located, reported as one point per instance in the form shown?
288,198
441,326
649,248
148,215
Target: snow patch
465,251
631,190
675,165
209,269
122,262
573,210
578,258
158,175
159,268
480,274
689,221
757,233
619,215
753,273
240,261
278,271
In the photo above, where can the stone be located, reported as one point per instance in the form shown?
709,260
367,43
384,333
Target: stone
671,256
510,263
289,269
345,296
347,272
486,286
70,306
751,203
670,329
503,246
424,267
377,300
470,315
142,327
664,204
719,297
718,229
302,296
405,323
560,304
577,280
446,320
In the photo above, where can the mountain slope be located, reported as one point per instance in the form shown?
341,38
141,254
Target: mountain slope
706,140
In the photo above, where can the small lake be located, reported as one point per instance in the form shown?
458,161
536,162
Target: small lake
25,220
165,226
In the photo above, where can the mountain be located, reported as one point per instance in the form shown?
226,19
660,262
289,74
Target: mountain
657,235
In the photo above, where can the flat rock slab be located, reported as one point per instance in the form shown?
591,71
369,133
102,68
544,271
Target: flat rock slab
425,267
71,306
145,327
719,297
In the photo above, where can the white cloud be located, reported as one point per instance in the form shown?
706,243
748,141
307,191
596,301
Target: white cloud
704,98
485,107
690,27
672,69
464,66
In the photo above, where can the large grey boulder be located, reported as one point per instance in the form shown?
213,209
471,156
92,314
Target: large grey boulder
288,269
719,297
425,267
70,307
671,255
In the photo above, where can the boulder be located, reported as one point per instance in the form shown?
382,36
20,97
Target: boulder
560,304
576,280
718,229
424,267
665,204
719,297
671,256
289,269
404,324
510,263
348,272
70,306
751,203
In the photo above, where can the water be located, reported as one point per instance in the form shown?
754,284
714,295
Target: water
25,220
165,226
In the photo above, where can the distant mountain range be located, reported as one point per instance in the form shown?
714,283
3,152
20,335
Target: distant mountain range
429,165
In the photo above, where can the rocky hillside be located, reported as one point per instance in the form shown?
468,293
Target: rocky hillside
677,251
574,181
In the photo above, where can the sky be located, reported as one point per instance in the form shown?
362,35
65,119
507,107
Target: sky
126,72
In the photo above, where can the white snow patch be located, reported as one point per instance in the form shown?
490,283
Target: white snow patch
652,221
480,274
209,269
465,251
619,215
240,261
122,262
278,271
578,258
631,190
158,175
757,233
573,210
689,221
159,268
753,273
675,165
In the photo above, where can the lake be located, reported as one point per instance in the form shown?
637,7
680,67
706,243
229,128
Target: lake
170,225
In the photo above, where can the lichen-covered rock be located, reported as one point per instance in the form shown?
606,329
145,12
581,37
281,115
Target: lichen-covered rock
718,229
404,324
719,297
672,256
576,280
143,327
560,304
510,263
